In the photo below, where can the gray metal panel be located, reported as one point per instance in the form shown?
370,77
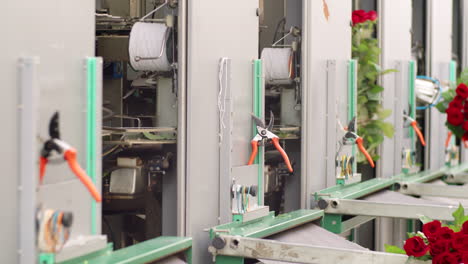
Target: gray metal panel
395,19
440,15
216,29
323,40
45,32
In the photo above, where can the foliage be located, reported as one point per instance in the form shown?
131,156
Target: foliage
438,242
371,115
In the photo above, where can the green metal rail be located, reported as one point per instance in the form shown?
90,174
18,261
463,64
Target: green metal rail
144,252
263,227
336,223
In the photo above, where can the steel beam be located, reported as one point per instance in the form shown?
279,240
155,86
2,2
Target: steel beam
389,209
426,189
299,253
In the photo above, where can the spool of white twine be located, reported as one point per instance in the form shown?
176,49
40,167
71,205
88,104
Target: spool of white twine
278,65
147,47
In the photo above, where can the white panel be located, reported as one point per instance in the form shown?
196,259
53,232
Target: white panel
440,49
324,40
61,34
216,29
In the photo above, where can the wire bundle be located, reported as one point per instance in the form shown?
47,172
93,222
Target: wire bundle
54,230
345,167
241,195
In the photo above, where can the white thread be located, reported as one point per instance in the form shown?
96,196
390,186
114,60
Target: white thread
221,99
278,65
147,40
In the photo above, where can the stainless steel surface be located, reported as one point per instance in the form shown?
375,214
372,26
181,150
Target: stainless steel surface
301,253
322,41
440,55
127,181
238,41
61,82
81,246
428,189
255,213
28,103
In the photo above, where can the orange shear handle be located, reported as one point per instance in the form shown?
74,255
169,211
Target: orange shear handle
254,145
447,140
283,153
42,167
414,124
360,145
70,157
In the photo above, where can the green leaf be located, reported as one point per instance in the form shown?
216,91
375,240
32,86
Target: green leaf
459,217
388,130
410,235
457,130
385,113
424,219
387,71
376,89
394,249
424,258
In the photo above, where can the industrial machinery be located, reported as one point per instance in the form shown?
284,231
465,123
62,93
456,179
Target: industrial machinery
140,130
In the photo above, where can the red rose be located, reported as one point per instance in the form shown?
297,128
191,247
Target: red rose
464,258
372,15
444,233
438,247
431,228
454,116
465,126
459,98
416,247
445,258
462,90
465,137
460,242
464,228
359,16
456,104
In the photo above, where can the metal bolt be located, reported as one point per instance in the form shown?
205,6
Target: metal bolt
218,242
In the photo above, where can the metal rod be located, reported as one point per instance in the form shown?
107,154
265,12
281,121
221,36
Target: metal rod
156,9
181,120
427,189
390,209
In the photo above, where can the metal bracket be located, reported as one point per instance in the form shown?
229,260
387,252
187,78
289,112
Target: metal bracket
300,253
425,189
389,209
27,157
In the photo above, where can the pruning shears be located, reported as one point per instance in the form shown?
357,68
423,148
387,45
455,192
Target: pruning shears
351,134
69,155
264,134
414,124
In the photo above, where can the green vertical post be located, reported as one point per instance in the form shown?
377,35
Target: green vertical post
412,100
258,111
91,133
453,73
352,99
